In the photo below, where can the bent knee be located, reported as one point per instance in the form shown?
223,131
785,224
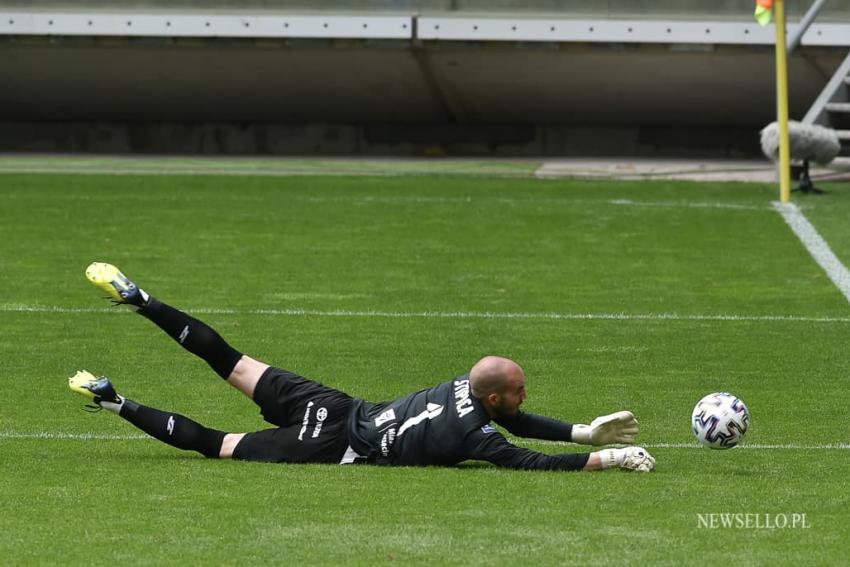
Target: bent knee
246,374
228,446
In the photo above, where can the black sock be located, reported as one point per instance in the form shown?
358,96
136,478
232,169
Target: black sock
176,430
193,335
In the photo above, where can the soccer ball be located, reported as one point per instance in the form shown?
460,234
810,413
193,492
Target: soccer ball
720,420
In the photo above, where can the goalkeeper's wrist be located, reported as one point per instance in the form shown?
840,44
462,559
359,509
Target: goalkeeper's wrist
610,458
581,434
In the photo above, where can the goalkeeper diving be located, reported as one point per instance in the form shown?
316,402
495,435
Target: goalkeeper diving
446,424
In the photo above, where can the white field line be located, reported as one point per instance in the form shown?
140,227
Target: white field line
535,200
59,435
769,446
62,436
294,312
789,446
816,246
687,205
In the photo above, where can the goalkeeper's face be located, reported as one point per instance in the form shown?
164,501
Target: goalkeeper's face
509,399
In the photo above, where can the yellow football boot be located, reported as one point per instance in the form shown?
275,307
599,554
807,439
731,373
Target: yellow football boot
96,388
116,285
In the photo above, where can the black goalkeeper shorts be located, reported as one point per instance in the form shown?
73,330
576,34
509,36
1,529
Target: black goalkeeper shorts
312,421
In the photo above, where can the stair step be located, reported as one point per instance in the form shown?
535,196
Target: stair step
838,107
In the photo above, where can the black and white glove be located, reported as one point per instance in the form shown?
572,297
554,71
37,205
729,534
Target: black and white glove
631,458
620,427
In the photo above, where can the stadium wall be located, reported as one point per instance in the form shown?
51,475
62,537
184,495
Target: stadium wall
434,92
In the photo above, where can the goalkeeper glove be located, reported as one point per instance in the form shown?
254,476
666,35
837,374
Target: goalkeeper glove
631,458
620,427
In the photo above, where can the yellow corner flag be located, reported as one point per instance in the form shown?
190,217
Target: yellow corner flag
764,11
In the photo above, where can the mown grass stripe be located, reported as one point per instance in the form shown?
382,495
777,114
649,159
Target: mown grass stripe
298,312
63,436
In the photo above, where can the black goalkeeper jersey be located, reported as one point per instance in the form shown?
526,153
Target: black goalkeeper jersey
445,425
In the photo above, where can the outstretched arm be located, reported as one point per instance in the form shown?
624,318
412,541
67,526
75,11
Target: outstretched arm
620,427
493,447
534,426
631,458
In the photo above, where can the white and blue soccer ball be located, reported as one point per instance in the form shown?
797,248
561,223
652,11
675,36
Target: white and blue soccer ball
720,420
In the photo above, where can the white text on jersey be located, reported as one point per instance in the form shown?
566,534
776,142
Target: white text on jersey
462,401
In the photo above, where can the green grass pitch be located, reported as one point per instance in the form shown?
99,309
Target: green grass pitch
382,285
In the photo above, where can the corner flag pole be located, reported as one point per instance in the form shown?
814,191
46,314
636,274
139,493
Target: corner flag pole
782,104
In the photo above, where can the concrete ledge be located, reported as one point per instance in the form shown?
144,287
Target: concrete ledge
619,31
250,24
171,24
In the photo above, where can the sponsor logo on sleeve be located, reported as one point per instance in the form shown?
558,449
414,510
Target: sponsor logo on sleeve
488,429
388,415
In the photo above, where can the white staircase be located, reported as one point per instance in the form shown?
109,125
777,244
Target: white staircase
832,108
